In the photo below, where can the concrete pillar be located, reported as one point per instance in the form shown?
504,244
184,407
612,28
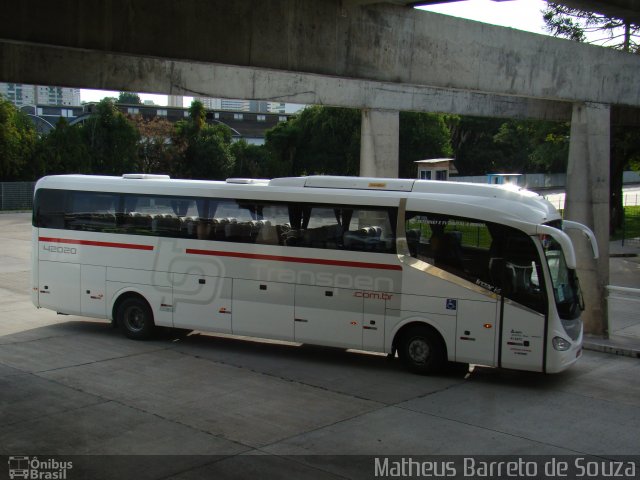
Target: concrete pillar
379,140
587,202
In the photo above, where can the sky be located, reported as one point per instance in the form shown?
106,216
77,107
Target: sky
519,14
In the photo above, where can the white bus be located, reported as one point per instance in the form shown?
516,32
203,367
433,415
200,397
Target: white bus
432,271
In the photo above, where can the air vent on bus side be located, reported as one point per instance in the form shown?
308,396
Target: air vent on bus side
145,176
248,181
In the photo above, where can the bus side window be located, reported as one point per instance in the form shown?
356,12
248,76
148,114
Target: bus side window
276,222
49,208
92,211
454,244
336,227
523,272
370,230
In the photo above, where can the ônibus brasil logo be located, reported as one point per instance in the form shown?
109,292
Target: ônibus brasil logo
33,468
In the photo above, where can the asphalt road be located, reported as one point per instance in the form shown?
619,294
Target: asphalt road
200,404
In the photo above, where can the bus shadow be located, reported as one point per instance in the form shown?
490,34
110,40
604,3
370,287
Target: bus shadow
517,378
232,348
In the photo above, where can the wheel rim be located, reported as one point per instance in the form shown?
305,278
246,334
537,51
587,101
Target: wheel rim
419,350
134,318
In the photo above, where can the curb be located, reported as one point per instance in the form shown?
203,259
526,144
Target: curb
605,347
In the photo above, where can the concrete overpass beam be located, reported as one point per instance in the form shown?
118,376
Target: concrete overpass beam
588,203
379,143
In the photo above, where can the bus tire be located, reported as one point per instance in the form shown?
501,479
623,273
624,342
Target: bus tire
135,318
421,350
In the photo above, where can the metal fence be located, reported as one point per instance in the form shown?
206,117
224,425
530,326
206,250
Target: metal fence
16,195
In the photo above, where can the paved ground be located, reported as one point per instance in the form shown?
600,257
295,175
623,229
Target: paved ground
70,385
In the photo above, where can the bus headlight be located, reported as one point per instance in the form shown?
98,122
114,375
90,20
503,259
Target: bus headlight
561,344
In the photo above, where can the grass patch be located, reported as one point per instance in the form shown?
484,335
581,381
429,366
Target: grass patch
631,227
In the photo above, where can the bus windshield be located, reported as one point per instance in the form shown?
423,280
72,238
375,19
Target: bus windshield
566,288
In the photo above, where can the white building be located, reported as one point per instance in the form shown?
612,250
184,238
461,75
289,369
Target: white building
236,105
436,168
175,101
21,94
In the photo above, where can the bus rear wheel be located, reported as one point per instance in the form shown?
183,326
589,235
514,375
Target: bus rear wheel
421,350
135,318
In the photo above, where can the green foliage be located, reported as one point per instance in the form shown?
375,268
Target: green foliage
17,142
197,116
585,26
281,145
320,140
534,146
250,160
208,155
156,152
422,136
111,141
626,144
631,226
204,151
486,145
326,140
472,140
62,150
129,98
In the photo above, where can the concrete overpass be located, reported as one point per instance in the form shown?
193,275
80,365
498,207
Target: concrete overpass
379,57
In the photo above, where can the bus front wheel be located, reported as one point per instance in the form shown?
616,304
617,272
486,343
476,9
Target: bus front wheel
135,318
421,350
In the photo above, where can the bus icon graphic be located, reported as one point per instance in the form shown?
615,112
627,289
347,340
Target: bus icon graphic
18,467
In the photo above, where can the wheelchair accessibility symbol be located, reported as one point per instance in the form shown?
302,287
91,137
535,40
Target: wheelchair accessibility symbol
452,304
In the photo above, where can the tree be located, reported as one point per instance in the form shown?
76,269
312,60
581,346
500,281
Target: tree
129,98
281,144
156,151
198,115
208,155
17,141
251,161
585,26
62,150
474,145
204,150
534,146
111,140
617,33
326,140
422,136
320,140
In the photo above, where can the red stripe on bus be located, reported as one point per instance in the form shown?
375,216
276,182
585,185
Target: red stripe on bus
92,243
278,258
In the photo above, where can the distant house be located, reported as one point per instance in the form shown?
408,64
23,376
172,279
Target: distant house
436,168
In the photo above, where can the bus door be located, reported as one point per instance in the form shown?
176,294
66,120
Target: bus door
522,343
523,308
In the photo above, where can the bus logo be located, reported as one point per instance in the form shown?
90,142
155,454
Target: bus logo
27,467
18,467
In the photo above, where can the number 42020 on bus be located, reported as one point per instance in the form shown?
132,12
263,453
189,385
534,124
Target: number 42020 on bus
436,272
